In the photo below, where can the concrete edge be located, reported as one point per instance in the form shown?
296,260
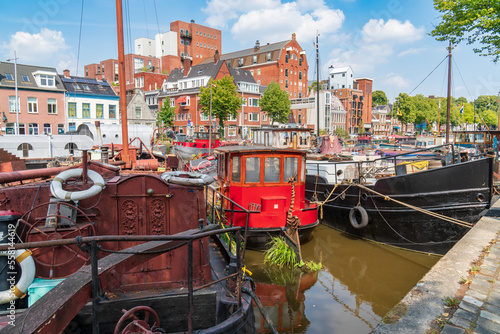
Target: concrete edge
425,301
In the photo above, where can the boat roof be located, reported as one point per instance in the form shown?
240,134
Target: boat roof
257,149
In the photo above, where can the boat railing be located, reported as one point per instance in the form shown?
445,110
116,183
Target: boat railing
221,210
91,244
359,171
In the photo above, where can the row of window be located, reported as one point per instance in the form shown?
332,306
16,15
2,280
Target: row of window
10,77
86,111
271,169
204,45
32,128
200,34
32,105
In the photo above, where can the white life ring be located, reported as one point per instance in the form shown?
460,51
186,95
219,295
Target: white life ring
354,220
58,192
25,261
187,178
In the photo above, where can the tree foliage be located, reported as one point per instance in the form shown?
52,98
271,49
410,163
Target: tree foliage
473,21
224,97
379,98
275,103
166,114
341,133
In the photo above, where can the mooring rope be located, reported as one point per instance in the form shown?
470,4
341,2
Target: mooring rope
416,208
320,204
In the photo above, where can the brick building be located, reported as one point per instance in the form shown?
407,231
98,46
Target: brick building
183,87
283,62
40,100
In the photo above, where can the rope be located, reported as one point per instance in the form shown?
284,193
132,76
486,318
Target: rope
430,213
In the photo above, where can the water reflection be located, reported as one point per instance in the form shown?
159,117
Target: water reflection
359,283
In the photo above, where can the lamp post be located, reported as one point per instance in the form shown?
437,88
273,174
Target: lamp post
17,97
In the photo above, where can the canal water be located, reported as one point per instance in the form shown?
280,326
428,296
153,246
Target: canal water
359,283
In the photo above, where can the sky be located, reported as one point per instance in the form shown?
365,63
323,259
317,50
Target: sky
387,41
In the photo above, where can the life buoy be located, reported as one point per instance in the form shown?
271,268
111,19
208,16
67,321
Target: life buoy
187,178
353,217
58,192
25,261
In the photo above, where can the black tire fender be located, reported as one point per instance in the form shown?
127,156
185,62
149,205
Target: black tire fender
353,217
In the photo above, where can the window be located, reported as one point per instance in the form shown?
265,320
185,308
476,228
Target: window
291,168
139,82
71,109
99,111
76,86
32,105
60,129
33,129
138,63
253,116
255,59
286,58
25,78
300,61
229,63
182,41
138,112
47,129
343,74
286,83
25,147
86,110
244,101
12,104
252,170
300,75
258,71
86,87
9,76
22,129
236,169
172,102
47,80
52,106
286,72
240,62
264,117
268,56
272,169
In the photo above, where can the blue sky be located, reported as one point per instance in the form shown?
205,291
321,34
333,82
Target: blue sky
387,41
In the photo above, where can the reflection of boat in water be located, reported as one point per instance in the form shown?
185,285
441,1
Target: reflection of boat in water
423,205
269,182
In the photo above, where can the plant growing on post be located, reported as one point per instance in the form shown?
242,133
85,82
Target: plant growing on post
275,103
223,98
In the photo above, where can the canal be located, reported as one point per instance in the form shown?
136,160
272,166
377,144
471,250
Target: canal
359,283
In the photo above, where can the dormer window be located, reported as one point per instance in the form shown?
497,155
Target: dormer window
9,76
240,62
45,79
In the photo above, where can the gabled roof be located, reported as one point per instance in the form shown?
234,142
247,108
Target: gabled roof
264,49
26,71
241,75
85,85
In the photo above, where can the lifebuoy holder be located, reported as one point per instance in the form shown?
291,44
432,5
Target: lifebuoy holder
25,261
58,192
187,178
358,217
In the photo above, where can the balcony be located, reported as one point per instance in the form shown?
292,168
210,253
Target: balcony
184,35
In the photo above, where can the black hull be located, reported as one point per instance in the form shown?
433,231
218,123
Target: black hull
259,238
460,191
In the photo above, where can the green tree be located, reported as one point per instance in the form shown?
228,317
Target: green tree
224,97
166,114
473,21
404,109
379,98
275,103
341,133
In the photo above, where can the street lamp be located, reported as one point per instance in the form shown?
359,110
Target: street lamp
17,98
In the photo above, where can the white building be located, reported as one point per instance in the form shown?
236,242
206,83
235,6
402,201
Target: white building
340,77
164,44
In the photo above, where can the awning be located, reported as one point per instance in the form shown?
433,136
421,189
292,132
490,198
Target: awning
182,99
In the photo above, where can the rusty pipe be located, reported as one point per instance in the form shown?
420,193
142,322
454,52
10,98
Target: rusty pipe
7,177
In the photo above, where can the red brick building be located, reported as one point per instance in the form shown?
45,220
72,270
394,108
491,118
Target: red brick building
283,62
183,87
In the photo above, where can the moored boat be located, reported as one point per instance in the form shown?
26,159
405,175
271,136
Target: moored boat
270,182
200,145
423,205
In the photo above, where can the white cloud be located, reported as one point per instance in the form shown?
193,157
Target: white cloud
277,24
221,11
397,81
411,51
44,48
362,60
393,31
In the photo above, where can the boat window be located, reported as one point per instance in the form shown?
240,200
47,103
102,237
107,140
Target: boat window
479,138
272,169
252,170
236,170
303,174
222,166
291,168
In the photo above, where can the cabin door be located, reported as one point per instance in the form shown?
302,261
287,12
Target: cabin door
143,206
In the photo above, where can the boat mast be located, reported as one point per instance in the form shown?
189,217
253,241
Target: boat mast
448,98
121,81
317,84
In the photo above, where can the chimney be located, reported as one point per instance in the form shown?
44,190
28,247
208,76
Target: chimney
186,62
294,36
257,45
66,73
216,57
